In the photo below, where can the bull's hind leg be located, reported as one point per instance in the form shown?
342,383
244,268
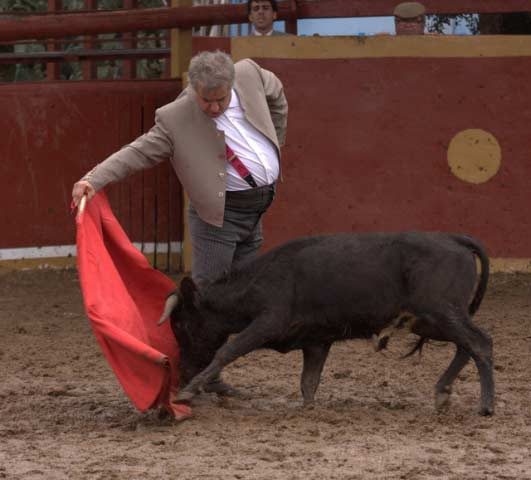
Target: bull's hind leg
443,389
470,342
480,345
314,360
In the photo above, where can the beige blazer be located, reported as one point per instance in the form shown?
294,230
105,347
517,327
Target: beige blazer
196,149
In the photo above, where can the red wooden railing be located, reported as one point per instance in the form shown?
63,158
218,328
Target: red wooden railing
57,24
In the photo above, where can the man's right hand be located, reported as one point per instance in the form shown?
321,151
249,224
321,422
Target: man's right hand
82,188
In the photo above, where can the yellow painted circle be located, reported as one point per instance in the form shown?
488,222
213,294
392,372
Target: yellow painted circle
474,156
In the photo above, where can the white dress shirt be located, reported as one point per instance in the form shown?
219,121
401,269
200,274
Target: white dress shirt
255,151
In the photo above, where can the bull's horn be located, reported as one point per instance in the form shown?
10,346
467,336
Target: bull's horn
171,302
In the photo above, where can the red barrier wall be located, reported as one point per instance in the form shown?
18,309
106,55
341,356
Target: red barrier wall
371,122
370,153
56,132
371,143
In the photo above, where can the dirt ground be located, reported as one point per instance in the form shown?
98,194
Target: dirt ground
64,416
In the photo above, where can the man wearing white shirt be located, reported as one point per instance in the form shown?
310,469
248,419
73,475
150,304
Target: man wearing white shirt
262,14
250,146
240,106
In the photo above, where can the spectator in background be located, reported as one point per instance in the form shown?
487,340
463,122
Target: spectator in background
262,14
410,18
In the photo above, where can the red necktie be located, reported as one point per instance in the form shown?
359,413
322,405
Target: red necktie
238,165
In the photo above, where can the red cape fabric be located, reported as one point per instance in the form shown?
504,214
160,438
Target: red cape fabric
124,298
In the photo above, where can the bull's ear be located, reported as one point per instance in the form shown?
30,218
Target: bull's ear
189,292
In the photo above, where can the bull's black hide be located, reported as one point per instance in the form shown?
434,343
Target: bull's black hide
313,291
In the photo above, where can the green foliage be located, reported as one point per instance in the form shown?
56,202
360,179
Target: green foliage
23,5
490,24
22,72
109,69
439,23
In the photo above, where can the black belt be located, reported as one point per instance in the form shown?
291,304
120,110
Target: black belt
257,192
252,199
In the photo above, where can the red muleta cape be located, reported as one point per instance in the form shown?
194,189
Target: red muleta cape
124,298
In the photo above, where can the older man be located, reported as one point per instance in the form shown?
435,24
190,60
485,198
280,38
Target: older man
410,18
223,136
262,14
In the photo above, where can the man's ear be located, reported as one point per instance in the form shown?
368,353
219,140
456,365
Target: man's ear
189,292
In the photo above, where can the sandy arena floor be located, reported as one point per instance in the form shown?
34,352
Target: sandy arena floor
64,416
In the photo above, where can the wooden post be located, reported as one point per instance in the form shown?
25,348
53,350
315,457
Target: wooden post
291,26
89,67
129,41
181,44
181,53
53,69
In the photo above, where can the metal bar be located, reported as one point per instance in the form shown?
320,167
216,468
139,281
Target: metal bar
79,55
44,13
163,35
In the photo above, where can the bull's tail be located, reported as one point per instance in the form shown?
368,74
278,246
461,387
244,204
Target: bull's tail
477,248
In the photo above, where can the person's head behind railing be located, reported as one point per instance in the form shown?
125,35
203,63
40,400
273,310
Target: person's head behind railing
262,14
410,18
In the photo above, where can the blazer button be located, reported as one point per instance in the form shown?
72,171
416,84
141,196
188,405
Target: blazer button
221,174
221,194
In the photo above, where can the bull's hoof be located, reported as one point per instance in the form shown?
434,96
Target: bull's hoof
442,400
185,396
486,411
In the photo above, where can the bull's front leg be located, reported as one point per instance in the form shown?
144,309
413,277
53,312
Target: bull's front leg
314,360
250,339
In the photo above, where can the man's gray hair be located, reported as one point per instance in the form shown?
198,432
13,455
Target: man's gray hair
211,70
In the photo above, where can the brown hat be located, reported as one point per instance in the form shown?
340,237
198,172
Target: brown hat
409,10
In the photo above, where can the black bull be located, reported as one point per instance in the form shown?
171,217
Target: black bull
313,291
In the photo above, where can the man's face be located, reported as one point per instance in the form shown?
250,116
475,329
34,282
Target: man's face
213,102
410,26
262,16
